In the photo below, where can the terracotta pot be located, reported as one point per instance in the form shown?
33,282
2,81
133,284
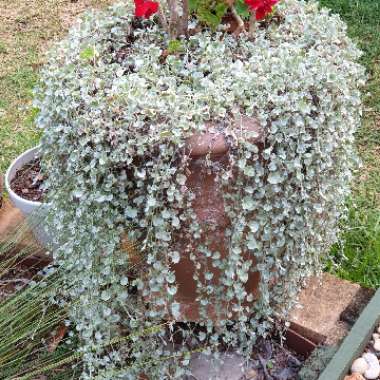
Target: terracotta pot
209,208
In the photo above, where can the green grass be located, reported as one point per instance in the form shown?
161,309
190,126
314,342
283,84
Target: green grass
17,131
363,20
359,259
27,28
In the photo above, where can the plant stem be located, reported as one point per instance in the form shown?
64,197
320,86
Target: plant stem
241,26
173,22
185,18
163,21
252,23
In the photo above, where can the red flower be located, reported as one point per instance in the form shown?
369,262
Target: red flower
145,8
261,7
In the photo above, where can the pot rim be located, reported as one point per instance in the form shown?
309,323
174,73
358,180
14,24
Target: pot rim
8,178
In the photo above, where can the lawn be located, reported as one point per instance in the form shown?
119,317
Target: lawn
26,31
359,259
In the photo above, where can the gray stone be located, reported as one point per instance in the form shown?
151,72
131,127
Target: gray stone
231,367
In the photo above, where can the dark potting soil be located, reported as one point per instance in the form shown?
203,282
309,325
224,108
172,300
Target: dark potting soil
23,271
28,181
274,361
14,280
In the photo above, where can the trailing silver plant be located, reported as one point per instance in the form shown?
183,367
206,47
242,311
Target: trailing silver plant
115,117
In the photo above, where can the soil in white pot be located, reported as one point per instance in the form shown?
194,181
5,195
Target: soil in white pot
27,183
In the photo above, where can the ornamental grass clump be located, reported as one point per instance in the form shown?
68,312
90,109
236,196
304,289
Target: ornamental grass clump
118,101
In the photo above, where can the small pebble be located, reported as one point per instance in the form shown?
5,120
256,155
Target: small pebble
373,372
251,374
354,376
376,345
359,366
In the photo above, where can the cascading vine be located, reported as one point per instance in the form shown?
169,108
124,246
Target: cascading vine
117,109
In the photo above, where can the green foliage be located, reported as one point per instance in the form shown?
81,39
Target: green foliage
356,258
242,9
209,12
175,46
23,81
88,53
114,144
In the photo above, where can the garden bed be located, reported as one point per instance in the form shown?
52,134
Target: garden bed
269,358
288,359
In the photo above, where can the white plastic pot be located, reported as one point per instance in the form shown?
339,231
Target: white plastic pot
28,208
25,206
